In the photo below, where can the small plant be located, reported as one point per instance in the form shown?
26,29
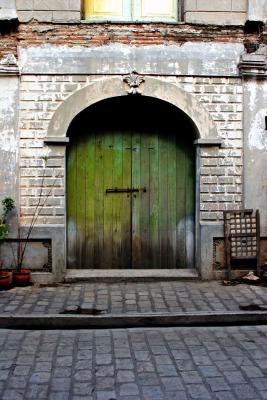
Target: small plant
8,205
3,231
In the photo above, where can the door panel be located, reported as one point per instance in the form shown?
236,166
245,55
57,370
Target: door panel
152,228
136,203
125,220
162,215
99,223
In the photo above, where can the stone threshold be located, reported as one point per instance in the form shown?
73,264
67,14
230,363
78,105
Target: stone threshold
136,320
129,275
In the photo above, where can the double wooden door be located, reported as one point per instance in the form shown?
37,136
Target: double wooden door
130,198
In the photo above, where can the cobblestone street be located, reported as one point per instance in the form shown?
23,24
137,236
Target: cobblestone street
222,363
124,298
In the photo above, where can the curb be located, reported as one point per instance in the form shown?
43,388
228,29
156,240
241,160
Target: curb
58,321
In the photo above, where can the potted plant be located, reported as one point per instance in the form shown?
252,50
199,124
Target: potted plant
5,278
8,204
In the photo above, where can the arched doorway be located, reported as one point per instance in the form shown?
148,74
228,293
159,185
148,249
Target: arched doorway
130,186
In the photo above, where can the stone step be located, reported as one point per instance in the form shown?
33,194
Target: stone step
135,320
129,275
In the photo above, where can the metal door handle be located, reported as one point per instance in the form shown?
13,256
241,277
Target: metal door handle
125,190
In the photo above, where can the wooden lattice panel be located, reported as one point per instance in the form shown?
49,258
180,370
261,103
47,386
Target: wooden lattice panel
241,235
242,230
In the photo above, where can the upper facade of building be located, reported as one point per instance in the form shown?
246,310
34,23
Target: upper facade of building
207,58
217,12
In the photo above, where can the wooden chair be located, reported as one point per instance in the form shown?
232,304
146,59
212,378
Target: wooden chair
242,237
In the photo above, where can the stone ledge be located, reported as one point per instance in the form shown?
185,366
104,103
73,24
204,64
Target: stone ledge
9,71
42,277
56,140
208,142
254,64
9,66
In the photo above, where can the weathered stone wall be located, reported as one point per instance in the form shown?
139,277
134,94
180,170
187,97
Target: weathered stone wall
218,12
255,148
90,36
8,11
96,35
8,43
257,10
200,56
9,142
49,10
221,168
93,34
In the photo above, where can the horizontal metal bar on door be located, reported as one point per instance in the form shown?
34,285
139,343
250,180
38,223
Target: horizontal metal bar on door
125,190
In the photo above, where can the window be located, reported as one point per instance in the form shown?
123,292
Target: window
131,10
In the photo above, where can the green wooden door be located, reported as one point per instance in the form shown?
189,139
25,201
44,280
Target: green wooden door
99,223
163,211
149,228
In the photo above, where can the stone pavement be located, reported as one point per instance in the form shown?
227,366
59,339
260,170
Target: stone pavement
125,298
224,363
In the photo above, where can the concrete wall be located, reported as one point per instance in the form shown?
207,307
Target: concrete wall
217,12
8,10
257,10
255,148
9,139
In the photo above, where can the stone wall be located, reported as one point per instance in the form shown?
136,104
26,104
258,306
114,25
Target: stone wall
255,148
9,142
221,168
217,12
49,10
257,10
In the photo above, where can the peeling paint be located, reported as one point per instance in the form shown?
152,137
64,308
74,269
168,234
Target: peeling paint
257,136
252,88
9,143
191,58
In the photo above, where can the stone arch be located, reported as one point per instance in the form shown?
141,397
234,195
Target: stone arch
114,87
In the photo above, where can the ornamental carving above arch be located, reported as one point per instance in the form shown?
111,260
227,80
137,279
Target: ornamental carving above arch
134,83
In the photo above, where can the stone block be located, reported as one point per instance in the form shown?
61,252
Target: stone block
23,5
215,5
215,18
8,10
66,16
75,5
208,216
190,5
51,5
257,10
239,5
41,16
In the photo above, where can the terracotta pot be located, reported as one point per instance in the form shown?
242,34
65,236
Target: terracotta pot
5,280
22,277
